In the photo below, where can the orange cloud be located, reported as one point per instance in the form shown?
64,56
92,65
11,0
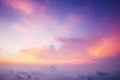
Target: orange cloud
20,60
108,46
35,51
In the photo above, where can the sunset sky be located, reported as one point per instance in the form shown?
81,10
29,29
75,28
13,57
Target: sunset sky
59,31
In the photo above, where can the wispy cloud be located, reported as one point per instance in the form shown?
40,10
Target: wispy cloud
22,6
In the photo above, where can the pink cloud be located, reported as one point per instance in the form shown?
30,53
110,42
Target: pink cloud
22,6
25,6
49,55
58,38
77,48
91,47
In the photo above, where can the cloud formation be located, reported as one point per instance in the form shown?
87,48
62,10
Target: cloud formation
49,55
108,46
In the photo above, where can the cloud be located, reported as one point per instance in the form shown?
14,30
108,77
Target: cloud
25,6
38,51
91,47
74,49
1,49
107,46
41,23
49,55
73,45
58,38
22,6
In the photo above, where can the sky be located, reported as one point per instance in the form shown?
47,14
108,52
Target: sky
60,32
